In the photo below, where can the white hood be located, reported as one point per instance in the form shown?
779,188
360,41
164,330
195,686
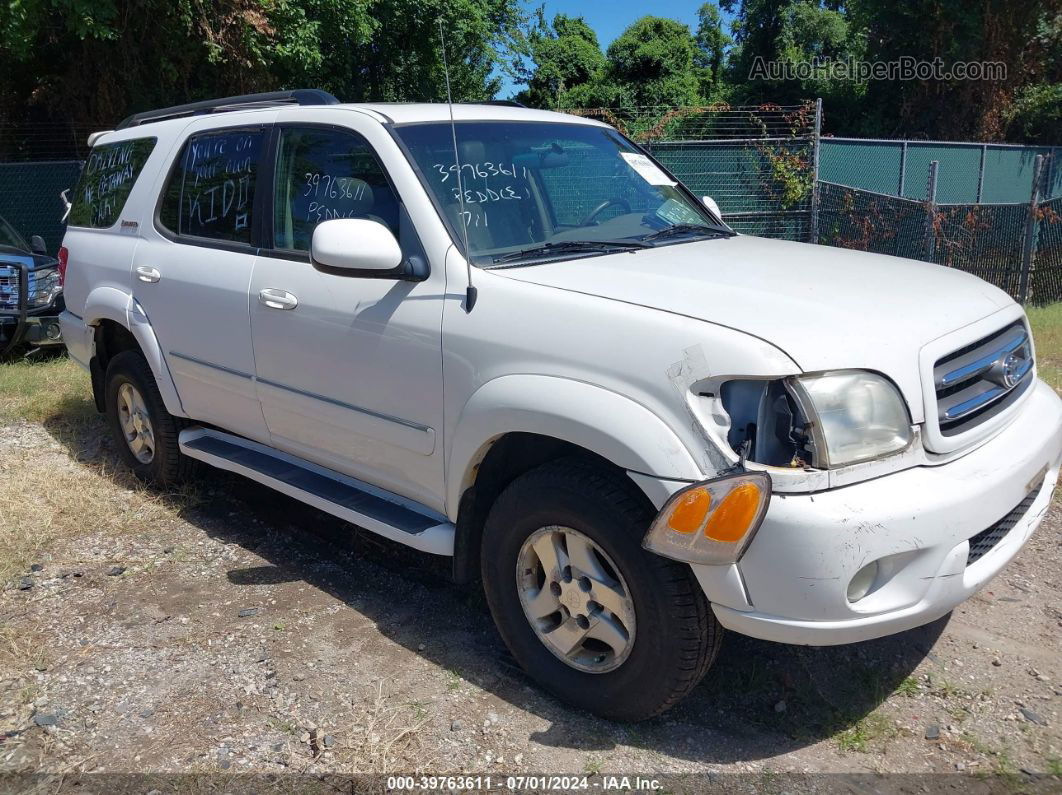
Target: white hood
827,308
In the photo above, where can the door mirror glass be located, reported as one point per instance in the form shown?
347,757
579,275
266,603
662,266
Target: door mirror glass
709,202
355,244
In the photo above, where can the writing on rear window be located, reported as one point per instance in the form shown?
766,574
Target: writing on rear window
211,192
106,182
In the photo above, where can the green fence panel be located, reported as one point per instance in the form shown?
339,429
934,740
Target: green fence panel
870,165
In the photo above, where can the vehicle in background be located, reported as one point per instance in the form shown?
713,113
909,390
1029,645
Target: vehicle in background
31,293
511,337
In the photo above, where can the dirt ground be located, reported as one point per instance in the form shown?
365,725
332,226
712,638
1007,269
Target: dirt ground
227,628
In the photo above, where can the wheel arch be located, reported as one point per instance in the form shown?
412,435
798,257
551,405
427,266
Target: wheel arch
516,423
119,324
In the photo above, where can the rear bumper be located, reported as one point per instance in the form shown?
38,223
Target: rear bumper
916,524
78,337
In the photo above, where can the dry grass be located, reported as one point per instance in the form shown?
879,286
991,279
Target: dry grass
386,737
38,391
68,483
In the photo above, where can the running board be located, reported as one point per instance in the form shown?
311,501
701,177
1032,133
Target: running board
349,499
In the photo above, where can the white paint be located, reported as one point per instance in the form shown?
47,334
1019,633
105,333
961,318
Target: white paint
396,385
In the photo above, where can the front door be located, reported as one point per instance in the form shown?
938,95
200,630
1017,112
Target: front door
349,369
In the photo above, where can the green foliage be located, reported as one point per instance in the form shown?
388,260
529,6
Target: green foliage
566,58
91,62
712,45
652,63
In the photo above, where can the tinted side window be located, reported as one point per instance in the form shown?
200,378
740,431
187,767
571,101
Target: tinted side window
106,181
324,174
211,190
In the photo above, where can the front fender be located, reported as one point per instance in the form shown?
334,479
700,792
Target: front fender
596,419
108,303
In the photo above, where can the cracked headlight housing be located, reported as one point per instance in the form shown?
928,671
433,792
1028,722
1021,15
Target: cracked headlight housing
855,416
42,287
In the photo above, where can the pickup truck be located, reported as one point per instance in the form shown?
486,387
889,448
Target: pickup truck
513,338
31,295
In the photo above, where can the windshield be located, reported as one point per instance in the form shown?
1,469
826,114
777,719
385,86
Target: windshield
543,190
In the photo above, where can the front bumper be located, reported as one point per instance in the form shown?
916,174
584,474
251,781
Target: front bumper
39,330
791,585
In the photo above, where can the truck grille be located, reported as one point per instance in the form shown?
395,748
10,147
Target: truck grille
981,380
982,543
8,289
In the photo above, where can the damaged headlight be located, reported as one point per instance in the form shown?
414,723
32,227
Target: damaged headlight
827,420
855,416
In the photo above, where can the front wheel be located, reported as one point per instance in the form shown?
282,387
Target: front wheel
588,613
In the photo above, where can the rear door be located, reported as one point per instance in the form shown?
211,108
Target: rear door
193,265
350,369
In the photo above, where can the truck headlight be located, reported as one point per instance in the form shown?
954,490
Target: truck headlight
856,416
42,287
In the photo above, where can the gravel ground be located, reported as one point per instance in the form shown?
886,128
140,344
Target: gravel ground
230,629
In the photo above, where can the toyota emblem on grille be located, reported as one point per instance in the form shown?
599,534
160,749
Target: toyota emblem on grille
1007,370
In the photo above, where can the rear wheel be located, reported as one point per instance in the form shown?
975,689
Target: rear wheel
588,613
144,432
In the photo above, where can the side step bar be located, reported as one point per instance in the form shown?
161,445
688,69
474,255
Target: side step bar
349,499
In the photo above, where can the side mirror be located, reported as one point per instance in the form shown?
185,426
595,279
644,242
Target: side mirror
356,247
37,245
709,202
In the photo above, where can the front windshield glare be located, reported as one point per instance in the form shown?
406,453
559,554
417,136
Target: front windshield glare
535,191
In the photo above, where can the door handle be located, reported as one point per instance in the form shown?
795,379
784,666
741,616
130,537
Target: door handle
146,274
277,299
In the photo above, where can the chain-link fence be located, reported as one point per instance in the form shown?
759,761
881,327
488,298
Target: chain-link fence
771,175
757,162
968,173
1015,246
30,200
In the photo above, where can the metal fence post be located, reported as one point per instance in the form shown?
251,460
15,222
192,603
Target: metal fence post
931,213
1028,250
981,174
903,169
813,226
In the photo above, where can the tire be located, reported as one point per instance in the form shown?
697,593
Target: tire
165,465
674,638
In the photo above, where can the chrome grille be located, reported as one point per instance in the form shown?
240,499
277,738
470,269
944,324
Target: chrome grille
981,380
8,289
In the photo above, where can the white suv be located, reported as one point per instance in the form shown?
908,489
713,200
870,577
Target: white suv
511,337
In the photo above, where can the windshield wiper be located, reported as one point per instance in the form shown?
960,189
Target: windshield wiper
683,229
565,246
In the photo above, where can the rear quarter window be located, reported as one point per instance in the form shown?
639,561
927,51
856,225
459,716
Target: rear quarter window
106,181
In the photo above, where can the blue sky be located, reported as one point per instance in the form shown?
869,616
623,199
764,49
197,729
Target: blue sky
609,18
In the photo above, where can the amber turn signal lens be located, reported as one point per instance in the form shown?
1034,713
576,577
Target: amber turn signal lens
711,522
688,514
735,514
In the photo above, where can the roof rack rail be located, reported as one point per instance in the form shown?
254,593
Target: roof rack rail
506,103
300,96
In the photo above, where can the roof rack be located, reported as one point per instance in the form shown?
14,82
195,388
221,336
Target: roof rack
300,96
506,103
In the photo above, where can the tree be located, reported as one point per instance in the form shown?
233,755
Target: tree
653,63
91,62
566,57
712,44
1022,34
